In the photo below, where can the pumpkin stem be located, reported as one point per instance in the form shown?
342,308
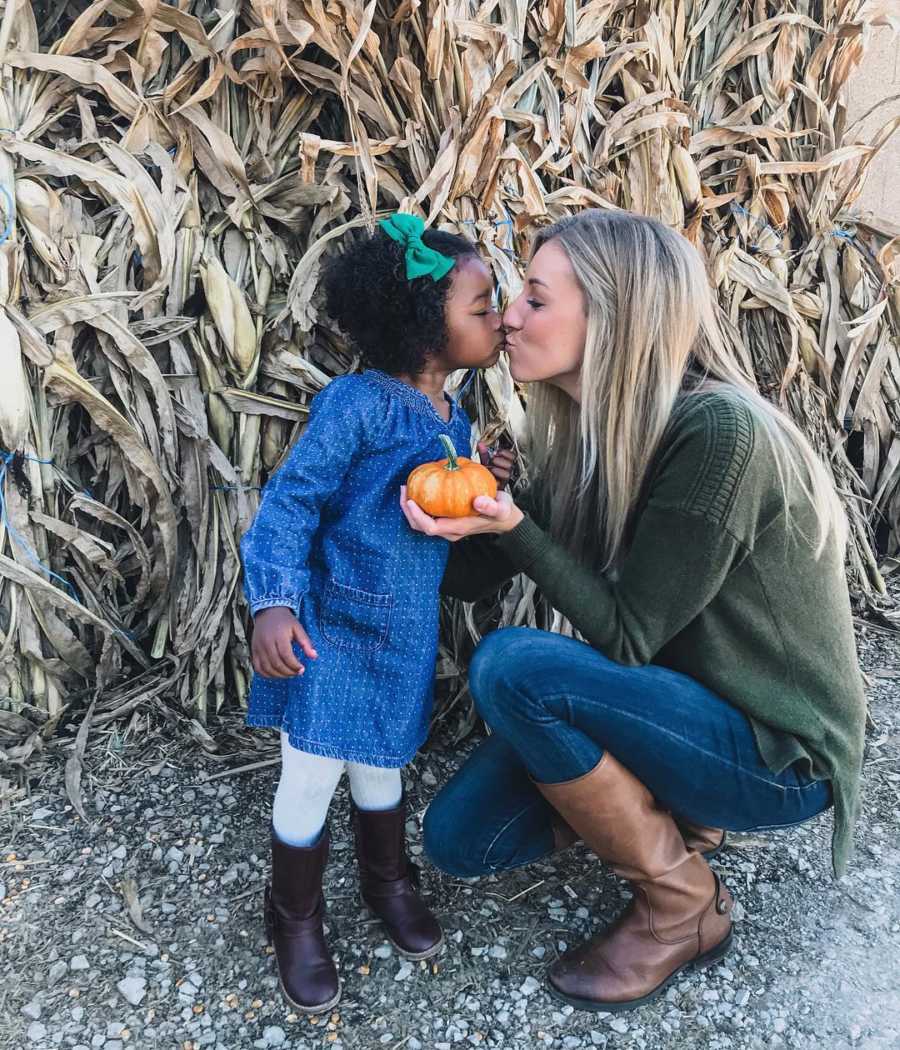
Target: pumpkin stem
451,452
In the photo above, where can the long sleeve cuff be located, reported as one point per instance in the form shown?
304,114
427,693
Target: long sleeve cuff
525,544
271,601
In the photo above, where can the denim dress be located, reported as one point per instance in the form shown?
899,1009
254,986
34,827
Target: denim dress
330,542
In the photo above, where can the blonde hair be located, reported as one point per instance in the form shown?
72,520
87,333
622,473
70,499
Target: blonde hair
650,317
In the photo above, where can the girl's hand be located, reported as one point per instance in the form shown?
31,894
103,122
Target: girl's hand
271,652
500,464
494,516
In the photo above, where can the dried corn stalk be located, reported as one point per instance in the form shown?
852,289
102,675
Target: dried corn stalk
179,172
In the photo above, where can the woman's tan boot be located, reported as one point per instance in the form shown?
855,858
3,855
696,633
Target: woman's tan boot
679,916
294,913
708,842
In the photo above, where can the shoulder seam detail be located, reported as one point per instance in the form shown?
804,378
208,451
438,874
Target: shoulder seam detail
730,442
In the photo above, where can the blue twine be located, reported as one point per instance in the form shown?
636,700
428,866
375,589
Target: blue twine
740,209
512,235
758,222
6,459
236,488
11,213
493,222
511,252
735,207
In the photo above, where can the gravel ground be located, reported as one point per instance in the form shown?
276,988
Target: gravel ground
140,927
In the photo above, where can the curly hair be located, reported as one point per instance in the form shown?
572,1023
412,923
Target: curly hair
392,322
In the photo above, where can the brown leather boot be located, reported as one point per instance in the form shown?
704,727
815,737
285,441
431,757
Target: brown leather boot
679,914
294,911
389,882
708,842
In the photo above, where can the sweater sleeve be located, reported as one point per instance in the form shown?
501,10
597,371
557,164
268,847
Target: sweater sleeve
276,547
478,567
697,525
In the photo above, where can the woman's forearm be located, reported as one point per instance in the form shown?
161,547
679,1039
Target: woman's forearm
676,565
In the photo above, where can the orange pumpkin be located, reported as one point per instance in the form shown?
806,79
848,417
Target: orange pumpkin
446,489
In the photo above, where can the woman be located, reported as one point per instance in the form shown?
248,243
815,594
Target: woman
686,529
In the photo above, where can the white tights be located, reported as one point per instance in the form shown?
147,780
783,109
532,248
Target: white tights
308,783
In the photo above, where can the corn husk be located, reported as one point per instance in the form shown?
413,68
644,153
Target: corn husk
180,177
231,316
15,395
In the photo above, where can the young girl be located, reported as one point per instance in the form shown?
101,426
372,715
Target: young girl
345,595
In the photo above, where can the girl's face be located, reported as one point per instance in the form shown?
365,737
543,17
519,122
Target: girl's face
474,332
546,326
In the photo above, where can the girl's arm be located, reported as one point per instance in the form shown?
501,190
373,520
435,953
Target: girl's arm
275,548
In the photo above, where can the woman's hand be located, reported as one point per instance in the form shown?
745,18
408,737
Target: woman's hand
271,651
494,516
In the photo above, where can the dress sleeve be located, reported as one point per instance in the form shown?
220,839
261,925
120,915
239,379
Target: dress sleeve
275,548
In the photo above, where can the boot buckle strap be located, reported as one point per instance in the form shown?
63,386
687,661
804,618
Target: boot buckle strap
384,890
294,927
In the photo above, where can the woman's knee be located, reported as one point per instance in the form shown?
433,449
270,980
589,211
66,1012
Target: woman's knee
445,841
498,666
451,846
462,814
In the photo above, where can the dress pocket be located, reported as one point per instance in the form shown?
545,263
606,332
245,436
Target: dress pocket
355,619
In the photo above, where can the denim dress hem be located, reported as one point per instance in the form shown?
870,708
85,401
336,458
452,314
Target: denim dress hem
314,747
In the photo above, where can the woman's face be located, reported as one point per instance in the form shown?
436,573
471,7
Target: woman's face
474,332
547,325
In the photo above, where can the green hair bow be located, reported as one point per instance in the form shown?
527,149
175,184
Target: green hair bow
421,261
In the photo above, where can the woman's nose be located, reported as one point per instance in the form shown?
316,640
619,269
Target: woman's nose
511,315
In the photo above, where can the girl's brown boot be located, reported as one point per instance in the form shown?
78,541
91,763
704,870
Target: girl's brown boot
389,882
294,913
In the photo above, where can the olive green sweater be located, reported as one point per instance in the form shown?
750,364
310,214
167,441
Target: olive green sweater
718,585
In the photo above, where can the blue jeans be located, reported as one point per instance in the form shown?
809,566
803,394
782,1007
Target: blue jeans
555,705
